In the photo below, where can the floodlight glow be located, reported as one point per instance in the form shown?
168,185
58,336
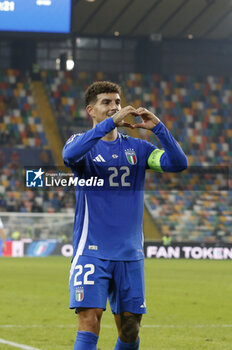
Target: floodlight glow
69,64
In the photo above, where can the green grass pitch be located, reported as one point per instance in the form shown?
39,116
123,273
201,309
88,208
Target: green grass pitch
189,305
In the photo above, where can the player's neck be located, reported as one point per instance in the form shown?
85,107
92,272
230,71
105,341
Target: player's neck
111,136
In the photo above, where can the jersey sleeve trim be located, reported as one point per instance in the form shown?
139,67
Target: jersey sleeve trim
79,144
154,160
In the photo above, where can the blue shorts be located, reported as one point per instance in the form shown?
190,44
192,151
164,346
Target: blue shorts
94,280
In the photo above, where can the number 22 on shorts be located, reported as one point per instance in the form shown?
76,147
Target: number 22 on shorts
88,270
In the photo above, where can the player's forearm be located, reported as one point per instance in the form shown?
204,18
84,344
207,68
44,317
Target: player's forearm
174,158
80,145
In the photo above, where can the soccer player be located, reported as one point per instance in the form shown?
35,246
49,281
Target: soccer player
108,258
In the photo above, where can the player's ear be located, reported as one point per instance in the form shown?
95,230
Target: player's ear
89,110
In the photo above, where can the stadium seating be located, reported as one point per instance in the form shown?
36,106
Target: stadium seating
21,130
191,206
197,111
67,100
20,122
23,142
195,216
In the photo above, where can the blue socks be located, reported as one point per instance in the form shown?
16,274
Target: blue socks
86,341
120,345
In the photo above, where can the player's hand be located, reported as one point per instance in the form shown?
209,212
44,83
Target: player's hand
150,120
119,117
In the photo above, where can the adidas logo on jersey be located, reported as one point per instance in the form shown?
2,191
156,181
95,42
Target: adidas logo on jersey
99,158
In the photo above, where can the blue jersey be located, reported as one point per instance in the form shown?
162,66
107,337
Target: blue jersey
109,217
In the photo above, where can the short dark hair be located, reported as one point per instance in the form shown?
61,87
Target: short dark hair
100,87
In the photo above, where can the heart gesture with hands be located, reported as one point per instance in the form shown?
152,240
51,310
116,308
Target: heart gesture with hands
149,120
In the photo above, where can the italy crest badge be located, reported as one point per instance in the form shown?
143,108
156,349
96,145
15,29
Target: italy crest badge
79,293
131,156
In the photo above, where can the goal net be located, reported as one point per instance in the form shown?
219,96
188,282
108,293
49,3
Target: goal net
37,226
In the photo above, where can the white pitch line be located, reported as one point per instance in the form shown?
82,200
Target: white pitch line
109,326
190,326
16,345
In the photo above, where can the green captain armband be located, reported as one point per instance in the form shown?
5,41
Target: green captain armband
154,160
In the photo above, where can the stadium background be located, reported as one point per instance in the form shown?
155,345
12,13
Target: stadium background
173,57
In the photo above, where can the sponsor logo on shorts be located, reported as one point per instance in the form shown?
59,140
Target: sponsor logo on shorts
93,247
79,293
